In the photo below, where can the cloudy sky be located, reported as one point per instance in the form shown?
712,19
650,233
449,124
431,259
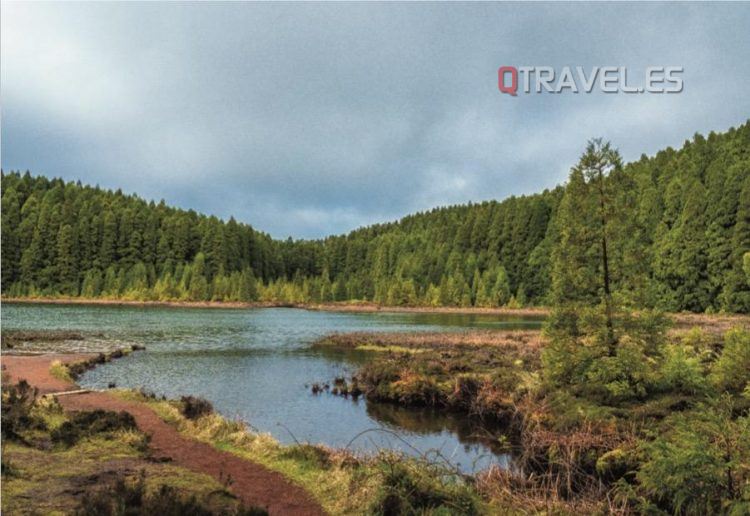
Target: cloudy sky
310,119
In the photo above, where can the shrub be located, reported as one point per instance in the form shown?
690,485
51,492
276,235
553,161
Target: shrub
681,370
697,338
648,327
626,375
84,424
17,403
60,371
377,375
731,371
194,407
580,355
702,466
565,361
465,390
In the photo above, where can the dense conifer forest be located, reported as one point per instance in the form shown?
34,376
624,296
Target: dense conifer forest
678,225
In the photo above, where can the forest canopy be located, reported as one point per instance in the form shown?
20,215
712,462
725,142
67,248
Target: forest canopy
682,230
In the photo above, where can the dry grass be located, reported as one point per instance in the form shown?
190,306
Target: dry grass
368,307
514,493
715,324
527,339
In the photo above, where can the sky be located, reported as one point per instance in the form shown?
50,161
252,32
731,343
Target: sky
310,119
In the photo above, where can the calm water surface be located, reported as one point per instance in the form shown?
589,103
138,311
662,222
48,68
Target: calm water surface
257,365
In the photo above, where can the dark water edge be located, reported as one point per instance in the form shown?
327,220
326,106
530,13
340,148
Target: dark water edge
257,365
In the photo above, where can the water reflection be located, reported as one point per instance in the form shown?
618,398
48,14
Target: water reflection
472,433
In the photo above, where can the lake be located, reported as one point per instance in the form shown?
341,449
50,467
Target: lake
257,365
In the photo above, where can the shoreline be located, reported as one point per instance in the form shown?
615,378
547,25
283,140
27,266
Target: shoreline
718,321
322,307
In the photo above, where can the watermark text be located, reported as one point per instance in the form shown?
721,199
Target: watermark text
513,80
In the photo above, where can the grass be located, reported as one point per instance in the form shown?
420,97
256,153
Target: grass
47,481
60,371
527,340
387,349
324,482
42,475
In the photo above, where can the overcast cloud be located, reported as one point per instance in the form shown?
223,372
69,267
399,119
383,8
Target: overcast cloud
310,119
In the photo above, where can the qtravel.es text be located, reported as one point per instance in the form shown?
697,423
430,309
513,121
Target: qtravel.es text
513,80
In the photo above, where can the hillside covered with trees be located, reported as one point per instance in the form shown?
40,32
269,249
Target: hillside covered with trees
678,224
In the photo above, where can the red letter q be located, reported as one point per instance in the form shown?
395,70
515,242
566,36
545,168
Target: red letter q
513,88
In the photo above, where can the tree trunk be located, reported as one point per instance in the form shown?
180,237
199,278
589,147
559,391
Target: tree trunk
611,344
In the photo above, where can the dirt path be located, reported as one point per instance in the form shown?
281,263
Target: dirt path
35,370
252,483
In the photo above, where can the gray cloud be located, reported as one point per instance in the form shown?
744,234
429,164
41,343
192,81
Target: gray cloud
308,119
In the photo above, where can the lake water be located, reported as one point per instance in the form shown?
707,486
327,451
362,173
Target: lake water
257,365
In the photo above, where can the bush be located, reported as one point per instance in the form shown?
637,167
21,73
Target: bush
622,377
681,370
579,354
17,403
84,424
194,407
565,361
731,371
702,466
465,391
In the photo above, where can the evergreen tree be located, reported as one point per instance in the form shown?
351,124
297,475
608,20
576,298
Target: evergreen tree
11,220
67,261
590,241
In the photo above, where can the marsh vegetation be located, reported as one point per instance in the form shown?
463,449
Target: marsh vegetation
94,462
